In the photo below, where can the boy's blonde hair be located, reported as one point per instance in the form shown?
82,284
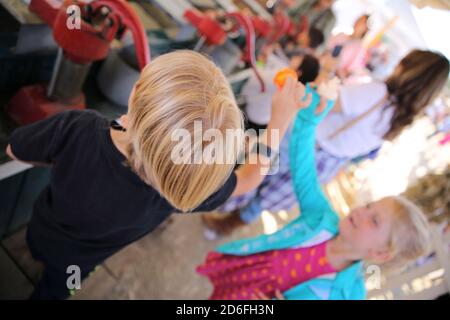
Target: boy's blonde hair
173,91
410,234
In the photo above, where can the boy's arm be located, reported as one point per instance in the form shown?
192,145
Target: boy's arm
249,176
285,104
39,143
12,156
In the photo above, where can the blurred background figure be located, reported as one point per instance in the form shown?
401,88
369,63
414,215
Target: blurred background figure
313,14
349,49
369,113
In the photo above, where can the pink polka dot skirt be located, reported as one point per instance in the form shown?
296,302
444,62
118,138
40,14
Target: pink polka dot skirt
240,277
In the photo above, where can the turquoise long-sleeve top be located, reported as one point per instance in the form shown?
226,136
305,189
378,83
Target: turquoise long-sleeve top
317,222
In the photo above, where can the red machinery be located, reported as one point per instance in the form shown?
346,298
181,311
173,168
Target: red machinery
100,22
263,28
213,33
282,26
274,30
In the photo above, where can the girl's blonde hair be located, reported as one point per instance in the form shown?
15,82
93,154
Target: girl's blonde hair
410,234
174,91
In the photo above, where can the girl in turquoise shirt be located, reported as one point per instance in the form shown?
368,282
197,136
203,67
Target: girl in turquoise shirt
388,232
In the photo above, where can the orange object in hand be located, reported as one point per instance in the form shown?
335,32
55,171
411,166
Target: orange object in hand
282,75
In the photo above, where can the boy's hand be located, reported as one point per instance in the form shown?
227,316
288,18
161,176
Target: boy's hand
288,101
10,153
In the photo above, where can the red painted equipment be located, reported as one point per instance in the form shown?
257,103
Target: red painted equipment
208,29
263,28
275,29
281,26
101,22
212,33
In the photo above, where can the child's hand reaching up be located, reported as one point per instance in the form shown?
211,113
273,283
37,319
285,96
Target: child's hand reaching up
327,91
324,97
288,101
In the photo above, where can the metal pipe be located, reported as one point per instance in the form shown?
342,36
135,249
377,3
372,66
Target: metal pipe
67,79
